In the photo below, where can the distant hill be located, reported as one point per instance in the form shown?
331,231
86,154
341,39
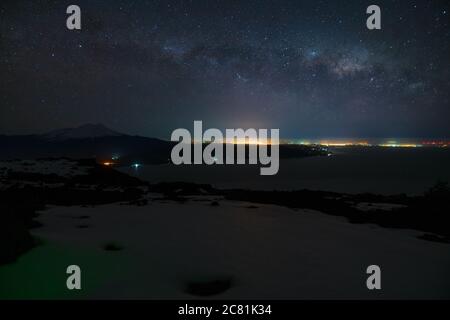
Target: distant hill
103,144
87,141
84,131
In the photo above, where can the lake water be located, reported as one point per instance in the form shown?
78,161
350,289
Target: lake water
351,170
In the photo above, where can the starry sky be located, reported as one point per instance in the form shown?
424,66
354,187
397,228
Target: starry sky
310,68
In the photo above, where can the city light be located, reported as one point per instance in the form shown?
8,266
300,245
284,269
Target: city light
339,143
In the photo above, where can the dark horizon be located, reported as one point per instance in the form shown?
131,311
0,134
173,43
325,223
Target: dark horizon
282,139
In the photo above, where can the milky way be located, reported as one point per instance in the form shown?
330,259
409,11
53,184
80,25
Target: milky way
310,68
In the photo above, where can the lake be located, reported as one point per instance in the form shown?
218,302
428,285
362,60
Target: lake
349,169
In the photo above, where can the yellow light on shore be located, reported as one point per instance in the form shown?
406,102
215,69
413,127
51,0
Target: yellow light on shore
400,145
252,141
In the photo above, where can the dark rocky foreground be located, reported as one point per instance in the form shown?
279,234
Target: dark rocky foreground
24,192
428,213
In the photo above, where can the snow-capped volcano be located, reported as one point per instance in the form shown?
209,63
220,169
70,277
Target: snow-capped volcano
81,132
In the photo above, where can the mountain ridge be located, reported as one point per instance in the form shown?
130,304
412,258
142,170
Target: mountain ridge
88,130
85,141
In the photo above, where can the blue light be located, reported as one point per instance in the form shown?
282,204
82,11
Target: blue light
136,165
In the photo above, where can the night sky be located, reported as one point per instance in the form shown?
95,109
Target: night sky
310,68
